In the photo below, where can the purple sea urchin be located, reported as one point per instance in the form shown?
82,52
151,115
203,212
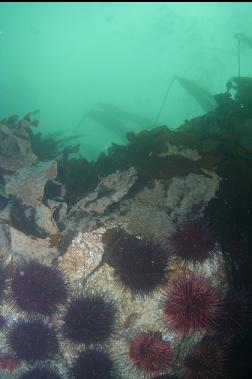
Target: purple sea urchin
32,340
191,304
208,360
139,265
150,353
38,288
193,240
41,372
89,319
93,364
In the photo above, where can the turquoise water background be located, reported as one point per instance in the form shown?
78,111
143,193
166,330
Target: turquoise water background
67,58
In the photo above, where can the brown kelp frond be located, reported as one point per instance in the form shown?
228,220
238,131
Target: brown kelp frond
203,97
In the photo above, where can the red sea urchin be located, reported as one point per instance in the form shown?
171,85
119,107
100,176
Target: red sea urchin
38,288
207,360
191,304
89,319
150,353
139,265
8,362
193,240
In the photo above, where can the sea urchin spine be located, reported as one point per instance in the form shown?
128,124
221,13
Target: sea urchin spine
93,364
32,340
208,360
89,319
191,304
139,265
193,240
38,288
41,372
150,353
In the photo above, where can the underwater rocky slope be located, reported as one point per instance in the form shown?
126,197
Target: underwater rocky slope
135,265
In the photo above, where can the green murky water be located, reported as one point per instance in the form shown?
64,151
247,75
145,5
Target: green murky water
100,69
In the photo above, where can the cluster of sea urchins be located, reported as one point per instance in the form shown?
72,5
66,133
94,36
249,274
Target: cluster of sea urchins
90,319
39,290
191,304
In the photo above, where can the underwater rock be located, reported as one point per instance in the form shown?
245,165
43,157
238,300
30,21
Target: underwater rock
54,194
5,214
110,190
58,208
37,221
44,219
151,210
29,183
17,162
11,144
83,255
154,209
3,202
145,213
54,190
5,241
177,150
95,209
15,149
83,264
190,194
26,190
167,167
19,246
66,239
